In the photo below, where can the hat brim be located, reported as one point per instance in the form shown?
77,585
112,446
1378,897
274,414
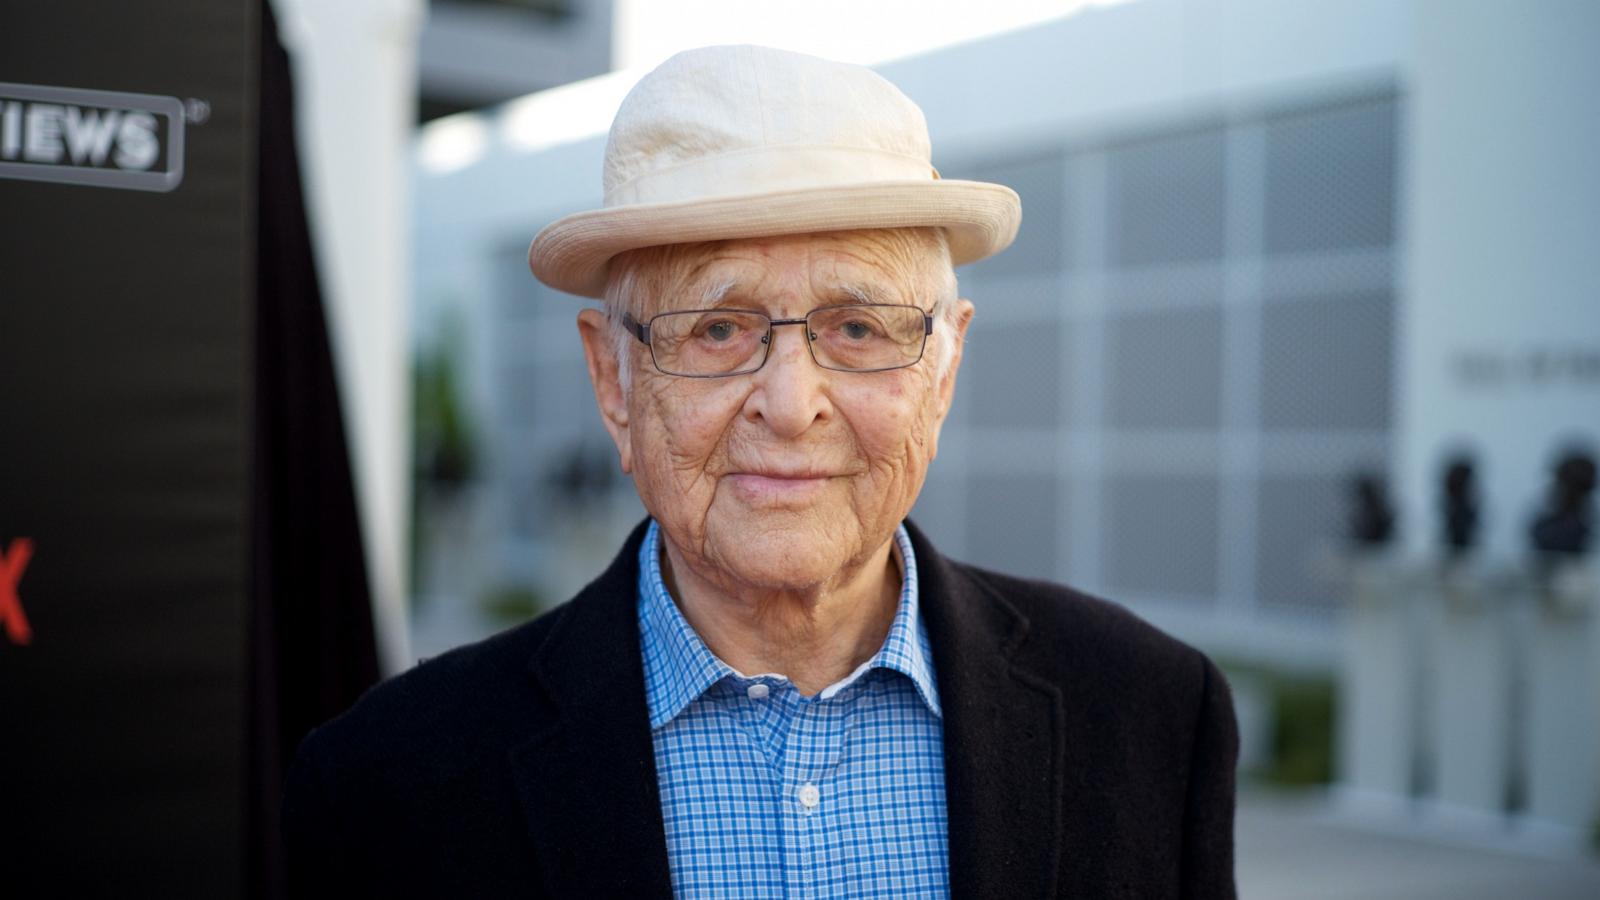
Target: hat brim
980,219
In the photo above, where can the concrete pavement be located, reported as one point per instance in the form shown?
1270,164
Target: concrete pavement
1304,846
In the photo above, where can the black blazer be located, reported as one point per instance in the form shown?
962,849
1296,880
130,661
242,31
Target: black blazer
1086,755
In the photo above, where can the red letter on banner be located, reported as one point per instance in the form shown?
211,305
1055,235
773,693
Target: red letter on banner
12,564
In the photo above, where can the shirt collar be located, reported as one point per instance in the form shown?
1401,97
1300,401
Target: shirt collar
679,667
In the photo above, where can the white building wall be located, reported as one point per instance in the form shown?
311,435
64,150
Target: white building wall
1109,68
1501,339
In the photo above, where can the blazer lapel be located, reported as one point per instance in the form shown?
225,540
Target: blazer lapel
1004,738
587,781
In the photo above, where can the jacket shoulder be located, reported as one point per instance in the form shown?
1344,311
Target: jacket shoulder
1068,631
473,694
468,707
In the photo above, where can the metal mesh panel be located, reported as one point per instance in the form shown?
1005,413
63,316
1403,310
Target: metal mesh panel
564,400
518,295
1009,299
1165,369
1325,363
1298,519
938,509
1322,274
1162,534
1330,178
1012,524
515,405
547,401
1187,284
556,481
1042,243
1009,374
539,381
1165,199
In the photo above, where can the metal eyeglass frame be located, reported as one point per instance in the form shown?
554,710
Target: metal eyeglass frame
641,331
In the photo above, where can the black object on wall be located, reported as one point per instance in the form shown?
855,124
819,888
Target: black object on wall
1565,526
181,582
1459,504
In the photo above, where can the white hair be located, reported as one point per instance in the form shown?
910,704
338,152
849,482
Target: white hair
636,279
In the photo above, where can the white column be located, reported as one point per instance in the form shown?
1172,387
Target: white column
1381,666
355,80
1562,749
1470,710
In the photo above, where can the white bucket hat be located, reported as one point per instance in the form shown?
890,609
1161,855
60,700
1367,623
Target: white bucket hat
741,142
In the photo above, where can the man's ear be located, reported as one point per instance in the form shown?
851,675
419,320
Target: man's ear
604,374
946,388
958,338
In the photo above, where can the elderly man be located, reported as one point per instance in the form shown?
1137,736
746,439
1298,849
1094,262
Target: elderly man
779,688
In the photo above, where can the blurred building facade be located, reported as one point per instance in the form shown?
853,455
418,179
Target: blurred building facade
1240,281
476,53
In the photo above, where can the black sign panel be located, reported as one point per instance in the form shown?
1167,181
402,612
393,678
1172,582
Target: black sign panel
127,135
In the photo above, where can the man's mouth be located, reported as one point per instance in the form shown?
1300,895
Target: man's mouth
777,486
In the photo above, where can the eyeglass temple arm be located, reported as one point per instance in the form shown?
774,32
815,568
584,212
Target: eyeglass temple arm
638,329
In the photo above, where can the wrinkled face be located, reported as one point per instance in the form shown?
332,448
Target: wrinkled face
786,477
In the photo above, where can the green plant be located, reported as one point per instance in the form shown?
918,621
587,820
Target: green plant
1301,709
1302,731
510,604
445,453
443,443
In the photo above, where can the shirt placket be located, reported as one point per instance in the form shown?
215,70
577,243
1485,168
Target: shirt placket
810,803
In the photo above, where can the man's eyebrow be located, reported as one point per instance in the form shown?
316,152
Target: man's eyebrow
863,293
716,291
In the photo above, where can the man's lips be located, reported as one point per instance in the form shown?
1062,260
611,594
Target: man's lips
777,485
784,474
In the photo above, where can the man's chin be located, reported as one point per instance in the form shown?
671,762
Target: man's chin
783,552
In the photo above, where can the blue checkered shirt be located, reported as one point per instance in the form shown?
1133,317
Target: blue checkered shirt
768,793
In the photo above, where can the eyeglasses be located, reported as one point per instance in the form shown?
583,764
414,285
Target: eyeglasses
711,343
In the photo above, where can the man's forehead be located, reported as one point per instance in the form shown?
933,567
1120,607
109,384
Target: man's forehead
860,266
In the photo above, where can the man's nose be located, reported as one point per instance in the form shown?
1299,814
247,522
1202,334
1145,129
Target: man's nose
789,390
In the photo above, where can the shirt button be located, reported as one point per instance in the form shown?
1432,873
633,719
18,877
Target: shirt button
757,691
809,795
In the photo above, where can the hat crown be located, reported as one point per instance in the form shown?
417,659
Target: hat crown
719,121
